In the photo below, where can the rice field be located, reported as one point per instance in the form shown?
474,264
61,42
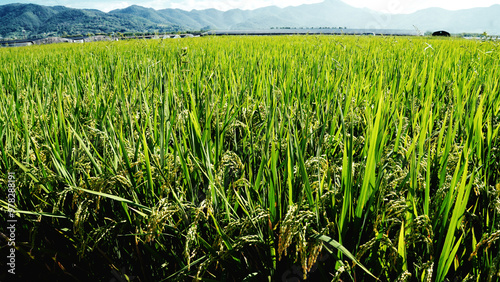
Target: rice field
331,158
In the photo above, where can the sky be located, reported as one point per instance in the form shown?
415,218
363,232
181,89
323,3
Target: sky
387,6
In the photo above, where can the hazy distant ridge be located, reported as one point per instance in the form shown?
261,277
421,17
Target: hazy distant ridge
31,20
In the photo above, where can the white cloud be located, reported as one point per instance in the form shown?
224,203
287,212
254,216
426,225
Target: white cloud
238,4
409,6
387,6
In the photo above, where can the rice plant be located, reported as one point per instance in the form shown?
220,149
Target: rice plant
255,158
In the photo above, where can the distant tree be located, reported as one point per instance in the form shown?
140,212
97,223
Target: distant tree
441,33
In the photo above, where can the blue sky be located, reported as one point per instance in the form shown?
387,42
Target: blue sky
388,6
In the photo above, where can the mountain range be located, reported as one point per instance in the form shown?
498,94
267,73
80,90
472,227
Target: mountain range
30,20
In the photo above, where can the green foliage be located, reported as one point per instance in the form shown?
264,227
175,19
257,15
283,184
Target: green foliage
232,158
35,21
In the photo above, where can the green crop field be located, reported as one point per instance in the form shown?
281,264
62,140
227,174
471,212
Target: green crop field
331,158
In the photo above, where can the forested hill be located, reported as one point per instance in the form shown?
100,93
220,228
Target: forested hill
29,20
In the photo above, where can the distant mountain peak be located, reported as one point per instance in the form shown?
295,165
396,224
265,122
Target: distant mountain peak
16,22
